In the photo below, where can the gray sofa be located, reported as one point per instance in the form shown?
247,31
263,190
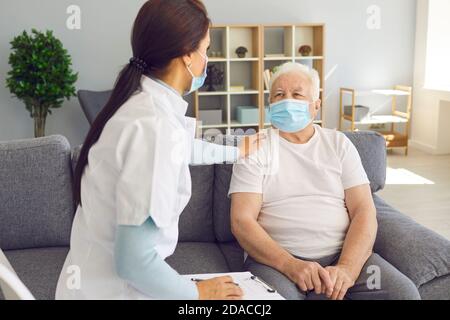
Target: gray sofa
36,212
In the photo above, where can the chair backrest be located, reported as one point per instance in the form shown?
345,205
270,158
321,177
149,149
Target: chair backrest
10,284
92,102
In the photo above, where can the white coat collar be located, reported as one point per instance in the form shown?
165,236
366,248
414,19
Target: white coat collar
179,105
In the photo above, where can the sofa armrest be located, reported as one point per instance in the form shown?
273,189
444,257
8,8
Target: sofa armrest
419,253
36,204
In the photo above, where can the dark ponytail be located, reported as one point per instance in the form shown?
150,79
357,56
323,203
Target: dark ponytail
163,30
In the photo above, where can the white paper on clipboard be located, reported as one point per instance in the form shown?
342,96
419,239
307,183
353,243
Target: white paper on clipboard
253,289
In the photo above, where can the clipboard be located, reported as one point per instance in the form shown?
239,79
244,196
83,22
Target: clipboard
254,288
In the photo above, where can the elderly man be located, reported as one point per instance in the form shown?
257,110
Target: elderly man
303,211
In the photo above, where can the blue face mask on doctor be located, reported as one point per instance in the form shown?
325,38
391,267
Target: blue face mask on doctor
198,82
290,115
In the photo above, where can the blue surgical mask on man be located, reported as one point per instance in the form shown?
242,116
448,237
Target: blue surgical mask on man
290,115
198,82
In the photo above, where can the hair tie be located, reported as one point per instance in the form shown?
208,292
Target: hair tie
139,64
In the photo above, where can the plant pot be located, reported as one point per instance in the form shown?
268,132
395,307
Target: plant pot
40,117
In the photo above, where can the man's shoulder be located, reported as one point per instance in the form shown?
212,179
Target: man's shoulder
338,138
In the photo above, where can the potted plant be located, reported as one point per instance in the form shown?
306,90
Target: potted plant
215,77
40,75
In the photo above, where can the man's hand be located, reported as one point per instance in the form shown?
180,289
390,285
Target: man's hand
310,276
342,280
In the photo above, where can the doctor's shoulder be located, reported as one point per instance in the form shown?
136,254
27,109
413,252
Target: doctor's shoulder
145,110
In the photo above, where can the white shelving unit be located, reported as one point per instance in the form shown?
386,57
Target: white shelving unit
262,42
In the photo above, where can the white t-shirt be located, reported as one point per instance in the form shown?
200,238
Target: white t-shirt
303,186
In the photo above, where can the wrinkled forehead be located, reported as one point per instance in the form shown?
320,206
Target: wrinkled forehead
291,82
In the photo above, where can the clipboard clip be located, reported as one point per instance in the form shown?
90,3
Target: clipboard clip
268,287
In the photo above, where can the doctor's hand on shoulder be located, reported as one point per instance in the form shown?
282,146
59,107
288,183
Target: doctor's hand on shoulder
251,144
222,288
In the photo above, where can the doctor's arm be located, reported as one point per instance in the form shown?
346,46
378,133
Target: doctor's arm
137,262
207,153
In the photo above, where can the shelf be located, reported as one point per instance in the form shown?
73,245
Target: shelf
222,125
244,36
394,139
279,40
235,124
268,46
246,92
246,74
218,47
217,59
243,59
382,119
384,92
391,92
309,58
278,58
309,35
212,93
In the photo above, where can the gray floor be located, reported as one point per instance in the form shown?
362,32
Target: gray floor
419,186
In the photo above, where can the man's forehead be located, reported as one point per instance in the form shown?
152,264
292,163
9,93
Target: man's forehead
291,81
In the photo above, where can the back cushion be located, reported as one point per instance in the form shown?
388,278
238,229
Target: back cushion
372,150
196,221
222,204
36,204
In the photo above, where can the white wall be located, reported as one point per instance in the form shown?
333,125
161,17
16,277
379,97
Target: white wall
430,129
356,56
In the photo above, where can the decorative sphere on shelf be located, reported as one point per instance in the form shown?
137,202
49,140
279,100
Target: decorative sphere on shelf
305,50
241,52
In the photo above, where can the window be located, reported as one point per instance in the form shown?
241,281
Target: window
437,74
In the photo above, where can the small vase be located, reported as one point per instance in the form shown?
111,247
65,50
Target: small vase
40,117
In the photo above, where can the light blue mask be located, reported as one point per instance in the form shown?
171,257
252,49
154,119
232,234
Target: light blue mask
198,82
290,115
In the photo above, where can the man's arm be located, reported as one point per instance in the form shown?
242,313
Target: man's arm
245,209
362,232
359,241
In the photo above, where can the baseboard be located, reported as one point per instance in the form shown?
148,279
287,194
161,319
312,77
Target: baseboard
425,148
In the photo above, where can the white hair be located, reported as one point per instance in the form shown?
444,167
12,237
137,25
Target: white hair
292,67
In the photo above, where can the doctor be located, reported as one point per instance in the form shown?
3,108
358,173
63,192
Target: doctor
132,180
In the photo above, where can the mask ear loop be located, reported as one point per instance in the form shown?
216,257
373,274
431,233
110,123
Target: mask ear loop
188,67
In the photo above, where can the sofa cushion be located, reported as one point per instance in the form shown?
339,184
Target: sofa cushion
36,206
92,102
234,255
196,221
39,269
436,289
372,150
419,253
198,257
